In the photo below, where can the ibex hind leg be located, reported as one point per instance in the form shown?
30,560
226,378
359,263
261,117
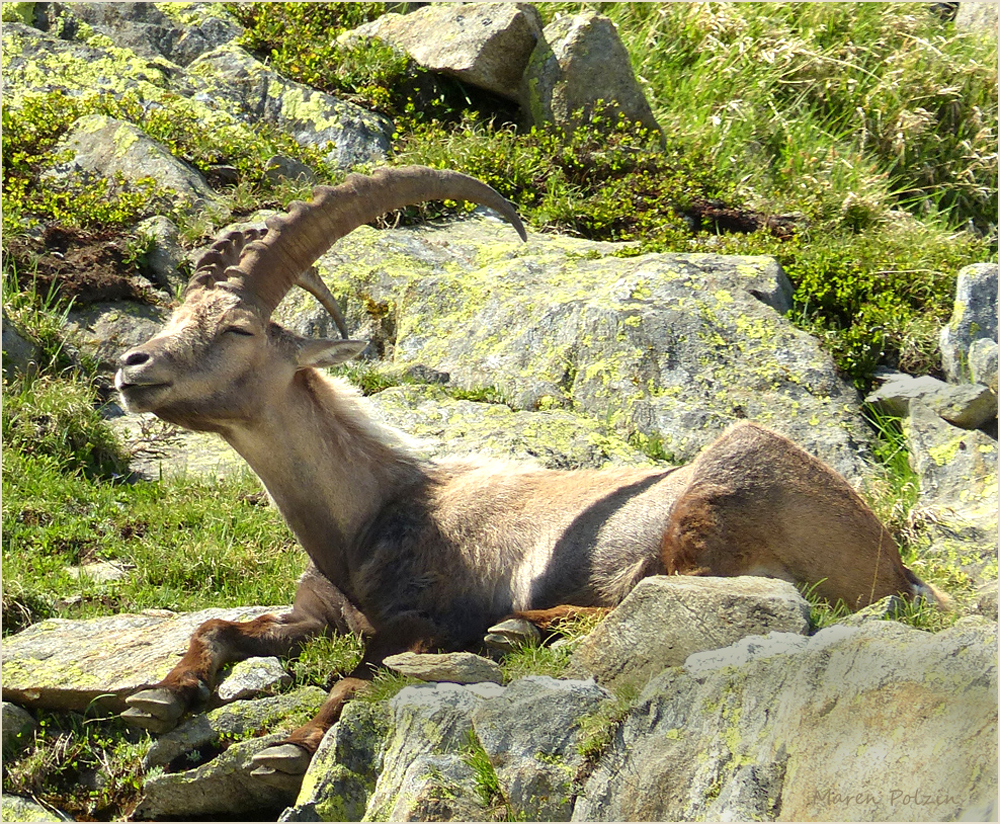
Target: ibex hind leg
757,504
318,608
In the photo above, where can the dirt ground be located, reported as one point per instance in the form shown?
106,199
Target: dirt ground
82,266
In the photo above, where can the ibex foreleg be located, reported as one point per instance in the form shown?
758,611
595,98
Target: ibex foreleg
318,608
214,644
284,764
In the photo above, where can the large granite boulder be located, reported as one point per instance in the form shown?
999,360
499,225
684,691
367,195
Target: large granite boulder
68,665
877,723
664,349
974,317
241,85
486,45
578,69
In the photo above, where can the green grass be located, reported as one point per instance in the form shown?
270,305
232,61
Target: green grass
188,543
85,765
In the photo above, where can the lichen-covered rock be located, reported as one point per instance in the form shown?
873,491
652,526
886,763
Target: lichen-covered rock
222,786
556,438
36,61
872,723
958,487
178,32
426,720
532,733
64,664
968,405
974,317
483,44
16,808
453,667
19,354
342,774
983,363
16,726
107,148
667,618
666,348
579,64
248,90
212,730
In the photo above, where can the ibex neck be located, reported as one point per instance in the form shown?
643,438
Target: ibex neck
328,466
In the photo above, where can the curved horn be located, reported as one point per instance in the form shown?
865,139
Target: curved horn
271,266
224,253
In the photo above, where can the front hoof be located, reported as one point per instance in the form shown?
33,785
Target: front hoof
281,766
155,710
513,634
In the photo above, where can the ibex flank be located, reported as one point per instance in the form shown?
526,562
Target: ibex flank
429,555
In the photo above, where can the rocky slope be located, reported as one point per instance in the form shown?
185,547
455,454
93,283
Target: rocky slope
695,699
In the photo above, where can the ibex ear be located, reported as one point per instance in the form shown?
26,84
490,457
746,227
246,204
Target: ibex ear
320,352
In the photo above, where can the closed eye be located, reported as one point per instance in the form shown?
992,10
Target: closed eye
239,330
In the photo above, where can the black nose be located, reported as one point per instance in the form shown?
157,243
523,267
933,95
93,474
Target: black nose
134,358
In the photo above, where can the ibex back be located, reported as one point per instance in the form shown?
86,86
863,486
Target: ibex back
420,555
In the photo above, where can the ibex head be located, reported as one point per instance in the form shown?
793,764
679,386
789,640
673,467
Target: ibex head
220,354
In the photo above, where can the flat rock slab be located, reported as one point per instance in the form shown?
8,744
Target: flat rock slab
454,667
667,618
66,665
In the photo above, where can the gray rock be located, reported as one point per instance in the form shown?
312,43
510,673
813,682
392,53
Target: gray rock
968,405
664,349
880,722
157,30
16,808
532,734
974,317
581,62
667,618
208,731
107,148
483,44
983,362
105,330
99,571
19,354
886,609
17,727
426,720
986,600
751,648
160,450
342,774
222,786
165,258
282,167
248,90
958,490
981,18
64,664
253,678
454,667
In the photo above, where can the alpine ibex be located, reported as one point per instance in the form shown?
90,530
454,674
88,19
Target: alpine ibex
420,555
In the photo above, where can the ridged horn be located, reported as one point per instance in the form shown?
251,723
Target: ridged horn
269,267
